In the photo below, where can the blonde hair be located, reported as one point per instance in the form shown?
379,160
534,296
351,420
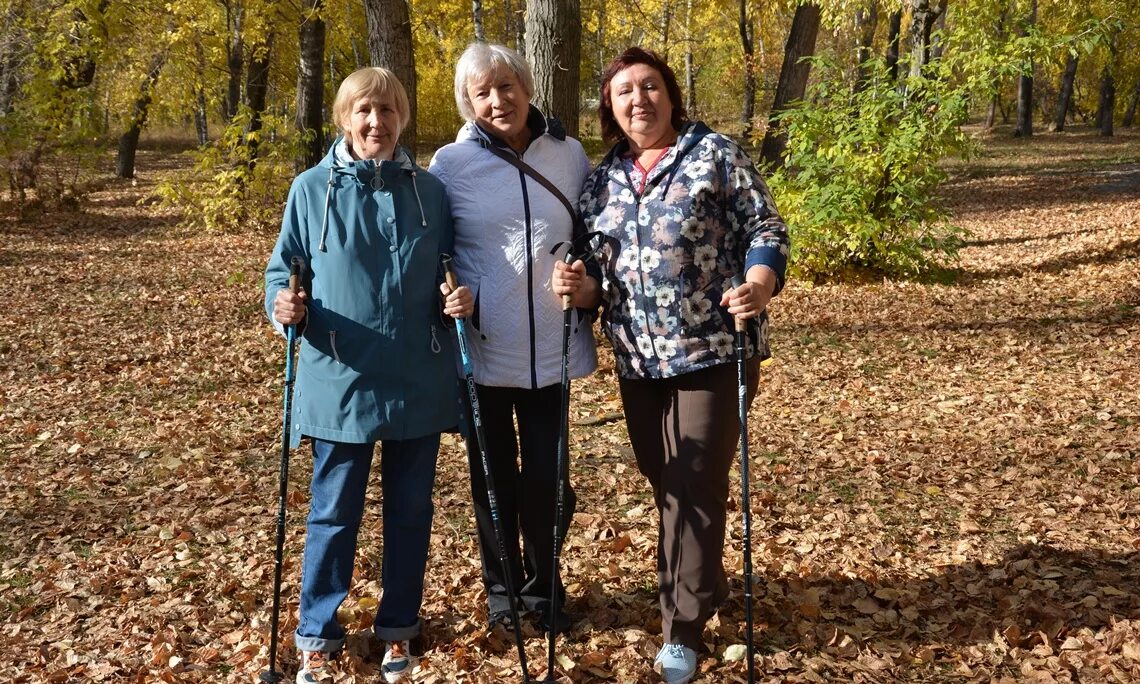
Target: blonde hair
481,60
369,82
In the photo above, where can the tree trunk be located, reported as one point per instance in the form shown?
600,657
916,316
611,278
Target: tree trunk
234,59
390,46
934,36
600,40
866,19
201,122
748,108
1025,87
477,17
920,18
1107,104
991,116
1066,95
516,23
690,68
129,141
893,34
79,63
1130,113
1107,101
311,85
666,27
793,79
554,42
256,91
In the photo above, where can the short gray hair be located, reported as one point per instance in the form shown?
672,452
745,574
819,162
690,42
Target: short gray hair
481,60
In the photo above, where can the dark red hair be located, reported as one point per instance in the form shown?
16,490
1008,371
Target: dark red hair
611,131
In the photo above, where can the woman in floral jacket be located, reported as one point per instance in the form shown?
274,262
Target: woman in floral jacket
683,210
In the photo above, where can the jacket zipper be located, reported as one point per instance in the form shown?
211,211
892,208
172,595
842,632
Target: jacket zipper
529,280
332,344
640,273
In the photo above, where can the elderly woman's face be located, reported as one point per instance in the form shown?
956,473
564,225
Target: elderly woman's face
641,104
373,126
501,105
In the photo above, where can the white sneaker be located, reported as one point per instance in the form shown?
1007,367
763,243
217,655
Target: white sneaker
314,667
397,662
675,663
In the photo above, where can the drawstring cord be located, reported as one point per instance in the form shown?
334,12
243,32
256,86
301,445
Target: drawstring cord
328,198
416,190
325,217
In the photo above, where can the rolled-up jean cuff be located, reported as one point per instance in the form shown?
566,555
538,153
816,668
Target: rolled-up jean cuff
311,644
399,633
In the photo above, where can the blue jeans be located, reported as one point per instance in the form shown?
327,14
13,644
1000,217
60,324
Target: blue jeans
340,477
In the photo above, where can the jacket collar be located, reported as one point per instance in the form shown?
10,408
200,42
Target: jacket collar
536,121
687,139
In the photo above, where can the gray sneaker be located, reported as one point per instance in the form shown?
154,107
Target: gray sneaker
397,663
314,667
675,663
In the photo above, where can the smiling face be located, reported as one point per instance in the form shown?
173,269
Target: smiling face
501,105
641,106
372,126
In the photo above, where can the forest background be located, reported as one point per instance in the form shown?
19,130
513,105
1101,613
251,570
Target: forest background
946,485
852,104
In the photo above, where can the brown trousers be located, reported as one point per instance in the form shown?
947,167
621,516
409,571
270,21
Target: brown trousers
684,431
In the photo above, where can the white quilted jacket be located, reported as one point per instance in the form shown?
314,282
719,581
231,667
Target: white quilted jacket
506,224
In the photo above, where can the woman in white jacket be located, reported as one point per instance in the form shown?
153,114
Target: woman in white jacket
506,226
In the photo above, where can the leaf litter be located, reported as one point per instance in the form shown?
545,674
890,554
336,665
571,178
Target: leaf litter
945,474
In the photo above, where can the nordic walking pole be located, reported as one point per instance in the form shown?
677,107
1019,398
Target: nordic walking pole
480,437
745,500
560,463
272,676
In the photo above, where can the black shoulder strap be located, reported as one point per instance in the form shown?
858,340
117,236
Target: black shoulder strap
579,224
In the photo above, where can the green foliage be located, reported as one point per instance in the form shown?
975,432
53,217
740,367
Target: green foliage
862,170
240,181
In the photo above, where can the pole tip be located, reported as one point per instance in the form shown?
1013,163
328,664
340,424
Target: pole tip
271,677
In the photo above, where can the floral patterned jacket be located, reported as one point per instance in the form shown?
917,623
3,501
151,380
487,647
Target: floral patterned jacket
702,216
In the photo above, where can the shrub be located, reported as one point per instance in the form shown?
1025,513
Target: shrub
861,172
240,181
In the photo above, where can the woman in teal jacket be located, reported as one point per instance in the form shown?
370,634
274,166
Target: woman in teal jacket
376,362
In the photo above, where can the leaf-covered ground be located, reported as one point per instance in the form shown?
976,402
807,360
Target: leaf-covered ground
946,485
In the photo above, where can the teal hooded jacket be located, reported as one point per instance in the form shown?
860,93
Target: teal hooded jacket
376,359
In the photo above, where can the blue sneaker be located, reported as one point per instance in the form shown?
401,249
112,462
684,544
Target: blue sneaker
675,663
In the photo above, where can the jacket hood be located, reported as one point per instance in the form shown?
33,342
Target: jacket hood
366,174
340,160
538,123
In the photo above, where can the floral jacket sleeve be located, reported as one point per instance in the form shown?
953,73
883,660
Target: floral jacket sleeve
703,215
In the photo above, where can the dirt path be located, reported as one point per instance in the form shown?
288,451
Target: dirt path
946,486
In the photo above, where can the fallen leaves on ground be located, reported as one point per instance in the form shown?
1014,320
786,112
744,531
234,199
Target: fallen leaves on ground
945,485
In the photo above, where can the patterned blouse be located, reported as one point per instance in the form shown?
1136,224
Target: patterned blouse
672,248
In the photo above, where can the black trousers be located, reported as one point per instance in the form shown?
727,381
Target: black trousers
524,469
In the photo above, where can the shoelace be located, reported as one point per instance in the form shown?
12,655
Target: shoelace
315,660
675,651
